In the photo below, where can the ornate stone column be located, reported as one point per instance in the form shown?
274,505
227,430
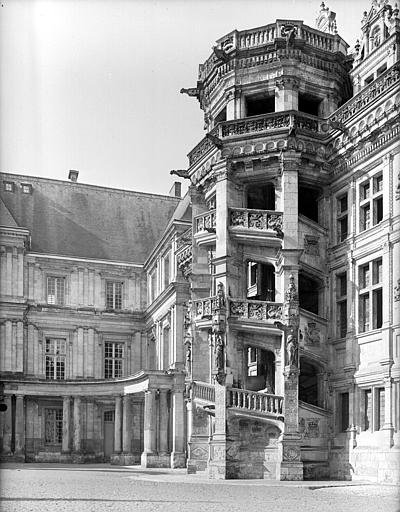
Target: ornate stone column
291,467
126,425
66,439
164,420
118,424
150,428
77,425
20,426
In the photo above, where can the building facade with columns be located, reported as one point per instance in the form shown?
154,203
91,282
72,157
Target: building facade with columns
250,329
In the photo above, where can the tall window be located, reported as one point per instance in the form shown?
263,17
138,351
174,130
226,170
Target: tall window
56,290
53,428
380,407
341,304
344,411
113,295
371,202
342,218
55,359
370,296
113,359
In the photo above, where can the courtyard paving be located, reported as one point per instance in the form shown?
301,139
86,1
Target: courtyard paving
95,488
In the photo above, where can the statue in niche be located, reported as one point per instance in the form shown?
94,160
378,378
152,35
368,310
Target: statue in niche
218,352
220,296
188,357
291,350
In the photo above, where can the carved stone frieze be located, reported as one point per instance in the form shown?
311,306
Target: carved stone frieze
311,245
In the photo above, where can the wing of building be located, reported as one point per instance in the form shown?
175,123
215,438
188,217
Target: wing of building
250,329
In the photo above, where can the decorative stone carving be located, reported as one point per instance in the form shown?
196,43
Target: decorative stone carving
291,294
292,350
397,291
311,245
291,453
289,32
312,334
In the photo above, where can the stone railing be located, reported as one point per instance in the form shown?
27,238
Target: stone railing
255,401
267,122
205,222
202,148
203,391
204,308
255,310
260,220
184,239
376,89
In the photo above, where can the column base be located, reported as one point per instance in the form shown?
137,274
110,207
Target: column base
217,464
178,460
155,460
388,430
290,471
124,459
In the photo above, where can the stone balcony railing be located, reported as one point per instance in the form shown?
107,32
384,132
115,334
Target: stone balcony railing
259,220
256,402
204,308
374,90
255,310
259,126
205,222
203,391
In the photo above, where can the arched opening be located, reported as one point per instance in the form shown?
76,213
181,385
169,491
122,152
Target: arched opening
260,370
309,293
261,197
260,281
308,382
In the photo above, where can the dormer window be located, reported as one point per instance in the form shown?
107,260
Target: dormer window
26,188
8,186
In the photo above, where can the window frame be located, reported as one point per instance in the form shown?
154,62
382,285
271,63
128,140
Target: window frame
58,279
370,296
114,305
370,202
57,427
109,361
341,303
341,217
54,357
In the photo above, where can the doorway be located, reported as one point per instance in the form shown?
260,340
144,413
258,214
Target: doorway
108,434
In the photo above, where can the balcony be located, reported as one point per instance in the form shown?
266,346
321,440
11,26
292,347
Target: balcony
260,227
204,392
254,313
253,403
204,228
203,309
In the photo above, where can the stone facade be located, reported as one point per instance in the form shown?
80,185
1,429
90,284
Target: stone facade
250,329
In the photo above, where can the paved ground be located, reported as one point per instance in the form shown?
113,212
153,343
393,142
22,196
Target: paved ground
95,488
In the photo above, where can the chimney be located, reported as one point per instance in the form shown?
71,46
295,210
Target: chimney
73,175
176,189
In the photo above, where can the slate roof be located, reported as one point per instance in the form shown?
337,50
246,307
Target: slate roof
87,221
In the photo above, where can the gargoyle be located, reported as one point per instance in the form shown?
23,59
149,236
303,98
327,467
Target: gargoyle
215,140
221,54
182,173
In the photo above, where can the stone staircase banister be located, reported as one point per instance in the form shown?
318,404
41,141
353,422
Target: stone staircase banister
203,391
205,222
265,403
255,309
263,220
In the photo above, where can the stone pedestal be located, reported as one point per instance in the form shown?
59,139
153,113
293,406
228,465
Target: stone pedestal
290,467
217,464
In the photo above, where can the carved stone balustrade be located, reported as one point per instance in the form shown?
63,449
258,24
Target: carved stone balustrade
266,221
204,228
376,89
251,401
203,391
204,308
258,125
259,310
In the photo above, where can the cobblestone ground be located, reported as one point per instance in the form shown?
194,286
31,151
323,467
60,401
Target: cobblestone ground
95,488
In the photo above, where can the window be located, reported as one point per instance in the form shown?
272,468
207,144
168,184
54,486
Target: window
53,426
259,105
344,411
8,186
380,408
26,188
309,104
341,304
113,359
367,409
166,269
113,295
55,359
342,218
308,202
371,202
56,290
309,293
381,70
370,296
369,79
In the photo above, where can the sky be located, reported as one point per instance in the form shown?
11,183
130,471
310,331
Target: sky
93,85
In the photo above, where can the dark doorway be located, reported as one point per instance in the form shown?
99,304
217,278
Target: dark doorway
308,383
261,197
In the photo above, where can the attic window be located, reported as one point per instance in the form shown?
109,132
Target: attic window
309,104
8,186
26,188
381,70
369,79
